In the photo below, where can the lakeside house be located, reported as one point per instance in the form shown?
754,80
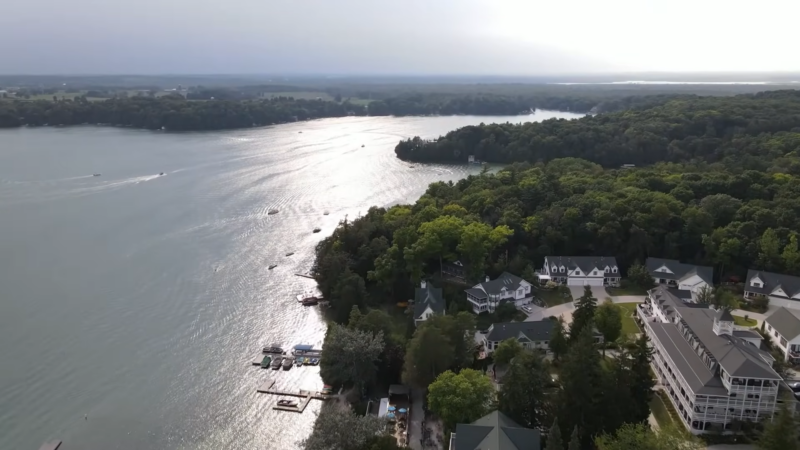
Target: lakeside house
531,335
715,373
782,290
783,329
455,270
486,296
580,270
494,431
428,300
675,274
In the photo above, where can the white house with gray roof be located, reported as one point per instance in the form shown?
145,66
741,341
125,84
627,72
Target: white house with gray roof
486,296
675,274
581,270
428,301
782,290
713,372
783,328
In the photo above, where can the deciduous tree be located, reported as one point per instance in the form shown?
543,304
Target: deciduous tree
349,356
341,429
522,395
506,351
781,433
638,275
641,437
608,319
429,353
460,398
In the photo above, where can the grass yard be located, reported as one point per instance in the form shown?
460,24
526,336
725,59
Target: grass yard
660,411
553,297
625,290
741,321
628,323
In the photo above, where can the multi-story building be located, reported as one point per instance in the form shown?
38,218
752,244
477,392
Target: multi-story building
428,301
581,270
486,296
714,372
783,329
782,290
675,274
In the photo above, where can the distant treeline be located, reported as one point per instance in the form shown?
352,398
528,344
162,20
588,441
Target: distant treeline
681,129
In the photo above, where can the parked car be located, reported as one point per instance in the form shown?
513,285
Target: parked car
794,385
527,309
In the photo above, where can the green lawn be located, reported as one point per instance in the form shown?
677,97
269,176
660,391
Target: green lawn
628,323
553,297
660,411
741,321
625,290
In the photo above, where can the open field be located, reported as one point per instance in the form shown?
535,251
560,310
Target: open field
628,324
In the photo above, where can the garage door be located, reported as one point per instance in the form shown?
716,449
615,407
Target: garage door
572,281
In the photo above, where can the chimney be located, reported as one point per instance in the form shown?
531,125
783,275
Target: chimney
422,284
487,278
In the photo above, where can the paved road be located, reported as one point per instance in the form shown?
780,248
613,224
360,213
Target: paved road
565,310
417,416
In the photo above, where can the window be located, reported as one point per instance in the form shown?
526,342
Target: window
756,284
614,269
562,268
783,342
769,327
554,269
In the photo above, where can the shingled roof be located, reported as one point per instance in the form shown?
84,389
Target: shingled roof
585,263
788,283
539,330
495,431
786,321
680,271
428,296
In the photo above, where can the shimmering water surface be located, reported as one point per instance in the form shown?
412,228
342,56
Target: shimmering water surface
140,300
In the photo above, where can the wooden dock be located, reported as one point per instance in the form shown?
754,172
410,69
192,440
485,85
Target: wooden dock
267,388
52,445
304,276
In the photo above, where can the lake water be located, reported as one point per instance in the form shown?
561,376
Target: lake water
140,300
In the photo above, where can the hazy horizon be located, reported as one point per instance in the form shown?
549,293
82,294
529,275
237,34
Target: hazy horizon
412,38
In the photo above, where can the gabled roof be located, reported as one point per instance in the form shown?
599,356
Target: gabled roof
428,296
683,294
786,321
585,263
505,280
539,330
495,431
680,271
789,283
723,315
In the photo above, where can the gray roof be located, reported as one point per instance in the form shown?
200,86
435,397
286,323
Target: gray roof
737,357
585,263
476,292
539,330
789,284
697,375
683,294
496,431
428,296
786,321
679,270
723,315
746,334
494,287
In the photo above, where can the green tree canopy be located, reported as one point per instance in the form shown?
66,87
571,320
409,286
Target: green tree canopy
608,319
781,433
349,356
522,395
460,398
506,351
640,437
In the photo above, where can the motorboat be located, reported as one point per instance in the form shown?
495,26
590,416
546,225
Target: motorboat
273,349
272,266
96,175
287,363
314,361
290,254
299,361
272,211
287,403
317,230
277,362
309,301
362,145
161,174
266,362
325,213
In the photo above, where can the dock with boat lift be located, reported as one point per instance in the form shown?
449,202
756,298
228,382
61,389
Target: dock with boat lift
268,387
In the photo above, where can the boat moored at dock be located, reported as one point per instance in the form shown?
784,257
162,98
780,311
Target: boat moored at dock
277,362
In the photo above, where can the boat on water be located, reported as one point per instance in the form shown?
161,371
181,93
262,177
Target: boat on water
272,211
314,361
309,301
266,362
277,362
325,213
160,174
273,349
272,266
95,174
299,361
362,145
287,363
287,403
317,230
290,254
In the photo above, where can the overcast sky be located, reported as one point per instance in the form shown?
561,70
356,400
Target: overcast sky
481,37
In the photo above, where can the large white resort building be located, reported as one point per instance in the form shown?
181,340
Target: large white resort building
715,373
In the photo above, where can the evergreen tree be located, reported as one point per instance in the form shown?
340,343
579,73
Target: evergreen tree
522,394
580,401
554,441
791,256
575,440
637,361
608,319
558,340
583,316
781,432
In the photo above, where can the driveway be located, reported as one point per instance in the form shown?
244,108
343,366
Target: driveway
598,292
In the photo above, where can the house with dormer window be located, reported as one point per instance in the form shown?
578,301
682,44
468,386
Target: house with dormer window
486,296
675,274
581,270
782,290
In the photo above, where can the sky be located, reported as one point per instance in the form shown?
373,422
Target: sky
403,37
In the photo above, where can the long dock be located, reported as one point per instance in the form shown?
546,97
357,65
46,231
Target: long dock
52,445
307,396
304,276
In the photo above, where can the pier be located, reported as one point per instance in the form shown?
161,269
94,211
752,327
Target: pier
268,388
304,276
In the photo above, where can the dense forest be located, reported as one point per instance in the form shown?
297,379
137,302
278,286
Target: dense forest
709,129
728,195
